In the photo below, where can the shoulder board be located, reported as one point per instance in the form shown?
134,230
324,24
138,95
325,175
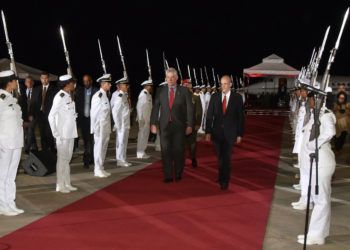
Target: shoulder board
3,96
120,95
145,92
62,94
100,95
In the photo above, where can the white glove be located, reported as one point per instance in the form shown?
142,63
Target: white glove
58,140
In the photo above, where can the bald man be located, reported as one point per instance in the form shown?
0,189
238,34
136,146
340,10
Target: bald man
224,126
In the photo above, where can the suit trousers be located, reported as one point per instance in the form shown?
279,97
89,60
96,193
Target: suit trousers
46,137
223,149
172,141
9,159
88,138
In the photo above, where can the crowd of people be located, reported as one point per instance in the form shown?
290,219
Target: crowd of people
59,111
334,118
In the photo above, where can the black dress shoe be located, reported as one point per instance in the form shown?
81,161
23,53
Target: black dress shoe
178,178
86,165
194,163
224,186
168,180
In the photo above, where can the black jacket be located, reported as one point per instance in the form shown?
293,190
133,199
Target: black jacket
37,97
79,99
230,125
181,112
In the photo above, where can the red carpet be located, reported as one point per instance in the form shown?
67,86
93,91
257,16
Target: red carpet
141,212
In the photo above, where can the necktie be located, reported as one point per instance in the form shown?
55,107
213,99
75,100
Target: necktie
43,98
224,105
171,98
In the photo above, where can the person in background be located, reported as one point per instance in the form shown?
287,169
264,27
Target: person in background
341,110
42,98
28,119
191,140
83,96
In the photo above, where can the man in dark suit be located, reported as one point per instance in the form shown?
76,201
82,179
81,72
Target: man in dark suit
28,121
191,140
173,112
42,98
83,96
225,126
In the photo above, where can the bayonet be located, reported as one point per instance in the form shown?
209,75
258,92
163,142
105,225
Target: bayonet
122,58
101,56
66,53
189,72
206,74
149,66
178,67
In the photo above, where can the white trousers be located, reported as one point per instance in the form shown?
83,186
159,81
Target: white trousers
142,138
100,150
304,177
9,160
64,156
122,137
321,214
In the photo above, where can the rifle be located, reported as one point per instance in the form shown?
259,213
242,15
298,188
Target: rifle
11,54
101,56
66,53
122,58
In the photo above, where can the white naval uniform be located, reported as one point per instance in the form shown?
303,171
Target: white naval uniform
320,217
144,109
62,119
202,127
11,143
299,127
207,97
100,115
121,116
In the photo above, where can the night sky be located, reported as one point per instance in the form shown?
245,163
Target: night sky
229,35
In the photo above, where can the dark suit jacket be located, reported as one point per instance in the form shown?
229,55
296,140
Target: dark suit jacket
37,97
230,125
79,99
181,112
25,105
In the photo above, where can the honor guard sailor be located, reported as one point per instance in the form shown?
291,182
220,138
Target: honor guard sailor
121,116
144,109
11,143
100,114
62,120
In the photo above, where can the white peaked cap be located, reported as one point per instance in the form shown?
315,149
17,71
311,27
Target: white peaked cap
147,82
124,80
105,78
329,90
7,73
65,78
